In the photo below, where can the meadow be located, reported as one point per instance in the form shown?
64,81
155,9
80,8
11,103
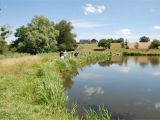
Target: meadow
31,86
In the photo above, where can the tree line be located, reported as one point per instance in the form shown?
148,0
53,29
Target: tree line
42,35
38,36
106,43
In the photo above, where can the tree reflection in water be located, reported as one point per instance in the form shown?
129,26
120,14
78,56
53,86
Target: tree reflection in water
143,61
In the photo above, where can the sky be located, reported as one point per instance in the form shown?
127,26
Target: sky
97,19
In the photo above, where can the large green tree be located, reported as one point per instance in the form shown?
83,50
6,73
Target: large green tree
144,39
38,36
4,33
66,39
104,43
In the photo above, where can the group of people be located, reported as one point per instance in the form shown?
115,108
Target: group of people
63,54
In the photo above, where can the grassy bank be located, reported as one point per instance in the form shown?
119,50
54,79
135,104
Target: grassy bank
32,88
141,53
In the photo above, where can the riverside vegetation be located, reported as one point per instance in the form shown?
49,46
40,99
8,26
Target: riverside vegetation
32,87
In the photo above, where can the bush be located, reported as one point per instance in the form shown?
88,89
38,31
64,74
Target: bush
3,47
104,43
155,44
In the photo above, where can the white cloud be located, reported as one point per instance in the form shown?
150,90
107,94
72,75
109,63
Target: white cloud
86,24
156,73
125,31
123,69
157,105
93,90
156,27
89,8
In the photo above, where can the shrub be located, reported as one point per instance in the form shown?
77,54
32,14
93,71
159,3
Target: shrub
104,43
155,44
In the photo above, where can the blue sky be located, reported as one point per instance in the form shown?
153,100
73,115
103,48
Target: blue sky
91,18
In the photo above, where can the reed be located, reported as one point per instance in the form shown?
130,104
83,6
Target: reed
100,114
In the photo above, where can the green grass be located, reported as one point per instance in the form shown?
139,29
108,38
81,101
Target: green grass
33,89
142,52
100,114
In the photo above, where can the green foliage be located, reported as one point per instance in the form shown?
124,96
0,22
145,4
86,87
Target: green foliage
3,46
66,38
4,33
126,44
38,36
122,44
104,43
119,40
141,53
144,39
155,44
62,47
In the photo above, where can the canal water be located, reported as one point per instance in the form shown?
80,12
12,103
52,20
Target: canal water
129,87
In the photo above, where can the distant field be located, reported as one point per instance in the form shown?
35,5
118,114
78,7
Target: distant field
94,47
115,48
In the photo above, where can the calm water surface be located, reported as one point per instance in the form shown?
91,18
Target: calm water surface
129,87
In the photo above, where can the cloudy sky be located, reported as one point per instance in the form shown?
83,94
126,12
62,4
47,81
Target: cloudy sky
91,18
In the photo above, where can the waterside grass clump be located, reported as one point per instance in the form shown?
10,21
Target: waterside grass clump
100,114
34,89
141,53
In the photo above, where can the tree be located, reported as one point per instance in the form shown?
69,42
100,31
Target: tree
38,36
144,39
119,40
155,44
104,43
126,44
66,37
4,33
122,44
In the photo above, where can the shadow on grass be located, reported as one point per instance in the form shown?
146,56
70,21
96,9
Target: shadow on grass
99,49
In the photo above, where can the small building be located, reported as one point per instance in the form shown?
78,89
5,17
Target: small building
85,41
94,41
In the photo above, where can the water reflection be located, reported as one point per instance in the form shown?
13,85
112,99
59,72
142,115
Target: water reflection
141,60
128,86
122,63
114,115
89,91
68,82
